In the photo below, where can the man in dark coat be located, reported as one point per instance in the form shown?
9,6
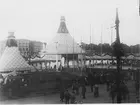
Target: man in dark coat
72,98
77,87
67,97
83,91
62,90
90,81
96,92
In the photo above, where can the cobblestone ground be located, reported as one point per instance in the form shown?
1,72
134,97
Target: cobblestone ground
54,98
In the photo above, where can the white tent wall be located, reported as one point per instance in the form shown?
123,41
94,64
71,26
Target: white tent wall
63,44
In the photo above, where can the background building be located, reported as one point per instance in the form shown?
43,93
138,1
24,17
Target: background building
37,46
25,47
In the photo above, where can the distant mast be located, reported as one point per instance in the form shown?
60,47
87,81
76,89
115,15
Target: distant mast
90,46
117,27
101,38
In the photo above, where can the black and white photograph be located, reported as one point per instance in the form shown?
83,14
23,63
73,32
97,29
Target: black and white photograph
69,51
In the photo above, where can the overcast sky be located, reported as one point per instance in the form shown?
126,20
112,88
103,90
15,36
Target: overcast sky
40,19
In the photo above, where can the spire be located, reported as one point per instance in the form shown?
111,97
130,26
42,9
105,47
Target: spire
62,27
117,27
11,41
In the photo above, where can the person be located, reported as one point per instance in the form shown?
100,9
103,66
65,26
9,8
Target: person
61,96
90,81
77,87
96,92
112,92
83,91
107,82
72,98
67,97
108,85
73,86
1,79
62,90
125,91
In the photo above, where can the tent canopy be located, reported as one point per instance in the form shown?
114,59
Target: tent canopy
63,43
12,60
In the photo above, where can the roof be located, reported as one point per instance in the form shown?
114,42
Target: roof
63,43
130,57
11,60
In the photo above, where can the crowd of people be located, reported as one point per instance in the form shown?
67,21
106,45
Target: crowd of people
93,80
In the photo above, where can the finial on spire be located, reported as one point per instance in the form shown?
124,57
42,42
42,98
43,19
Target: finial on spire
62,19
11,35
62,27
117,17
11,41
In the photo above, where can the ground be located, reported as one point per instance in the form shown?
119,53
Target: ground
54,98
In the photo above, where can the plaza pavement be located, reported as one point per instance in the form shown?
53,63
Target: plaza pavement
54,98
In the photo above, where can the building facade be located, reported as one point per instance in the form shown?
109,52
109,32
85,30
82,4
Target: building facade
24,46
37,46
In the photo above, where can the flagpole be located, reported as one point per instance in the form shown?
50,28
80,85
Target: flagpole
93,36
101,45
101,38
111,28
73,53
90,48
81,57
139,7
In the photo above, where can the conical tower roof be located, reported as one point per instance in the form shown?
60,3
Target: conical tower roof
11,59
63,43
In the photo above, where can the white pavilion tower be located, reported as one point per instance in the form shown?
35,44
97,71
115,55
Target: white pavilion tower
63,46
